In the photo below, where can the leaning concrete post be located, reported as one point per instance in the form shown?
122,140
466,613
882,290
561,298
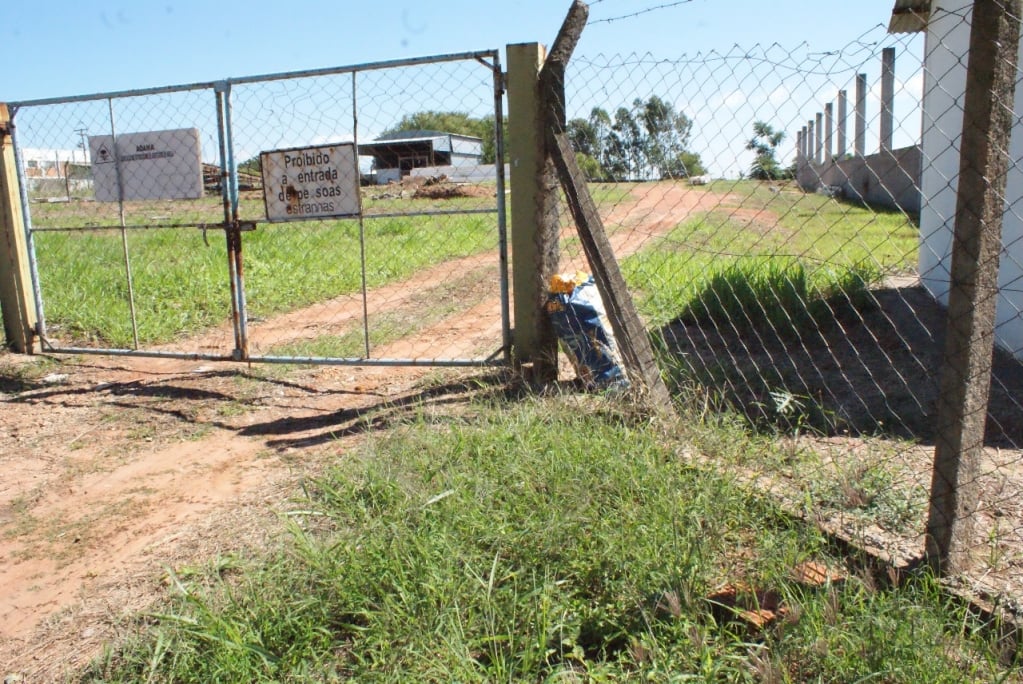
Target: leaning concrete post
19,313
860,141
887,98
966,370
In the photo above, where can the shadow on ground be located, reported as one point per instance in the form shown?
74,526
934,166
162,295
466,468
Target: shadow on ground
870,371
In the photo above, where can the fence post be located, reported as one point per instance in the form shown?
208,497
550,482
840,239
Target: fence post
829,125
19,313
965,378
818,150
887,98
860,137
843,116
534,224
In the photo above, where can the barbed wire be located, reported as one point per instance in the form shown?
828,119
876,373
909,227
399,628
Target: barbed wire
632,15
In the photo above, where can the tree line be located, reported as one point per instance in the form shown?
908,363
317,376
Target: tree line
650,141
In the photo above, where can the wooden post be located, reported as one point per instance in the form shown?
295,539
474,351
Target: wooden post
887,98
860,139
19,312
966,370
534,224
630,335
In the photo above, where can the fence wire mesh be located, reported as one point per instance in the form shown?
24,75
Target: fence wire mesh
129,260
784,221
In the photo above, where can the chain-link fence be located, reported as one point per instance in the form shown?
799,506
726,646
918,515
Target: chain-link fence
376,234
785,226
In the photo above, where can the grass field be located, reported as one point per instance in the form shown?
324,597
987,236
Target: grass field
515,539
180,281
771,250
180,278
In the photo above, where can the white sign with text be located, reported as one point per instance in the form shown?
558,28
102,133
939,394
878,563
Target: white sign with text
148,165
311,182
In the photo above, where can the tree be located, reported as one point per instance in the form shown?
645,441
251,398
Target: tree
765,143
648,141
667,137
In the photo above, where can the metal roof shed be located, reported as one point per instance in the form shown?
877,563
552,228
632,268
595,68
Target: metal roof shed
403,151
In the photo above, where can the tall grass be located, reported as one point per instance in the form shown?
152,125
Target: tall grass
545,540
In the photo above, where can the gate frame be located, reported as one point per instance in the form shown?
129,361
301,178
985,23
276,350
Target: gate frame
233,227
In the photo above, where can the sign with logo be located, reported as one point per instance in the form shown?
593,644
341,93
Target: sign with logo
311,182
151,165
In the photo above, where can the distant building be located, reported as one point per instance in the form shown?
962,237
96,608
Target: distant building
46,163
56,173
396,154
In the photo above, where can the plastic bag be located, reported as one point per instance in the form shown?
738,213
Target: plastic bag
580,321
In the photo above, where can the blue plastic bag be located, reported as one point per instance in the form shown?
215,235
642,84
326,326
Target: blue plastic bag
580,321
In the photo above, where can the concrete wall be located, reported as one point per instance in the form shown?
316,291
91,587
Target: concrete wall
888,179
946,49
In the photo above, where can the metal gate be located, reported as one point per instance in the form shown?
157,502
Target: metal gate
151,231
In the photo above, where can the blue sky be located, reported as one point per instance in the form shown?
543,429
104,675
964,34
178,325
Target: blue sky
88,46
84,46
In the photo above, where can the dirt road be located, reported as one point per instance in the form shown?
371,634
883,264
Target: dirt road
118,469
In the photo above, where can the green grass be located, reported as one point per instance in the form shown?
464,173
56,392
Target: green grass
808,248
181,283
538,540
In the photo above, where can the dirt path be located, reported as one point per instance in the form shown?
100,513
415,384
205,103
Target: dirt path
117,469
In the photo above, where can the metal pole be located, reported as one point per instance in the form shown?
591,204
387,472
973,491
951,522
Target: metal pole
362,226
124,232
228,237
235,227
502,217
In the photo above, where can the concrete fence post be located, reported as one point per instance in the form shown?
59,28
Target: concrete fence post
534,216
16,301
887,98
965,376
811,141
818,154
860,140
829,125
843,116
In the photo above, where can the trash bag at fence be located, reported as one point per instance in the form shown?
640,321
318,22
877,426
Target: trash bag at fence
577,313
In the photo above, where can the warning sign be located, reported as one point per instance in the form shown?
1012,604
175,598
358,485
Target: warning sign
149,165
311,183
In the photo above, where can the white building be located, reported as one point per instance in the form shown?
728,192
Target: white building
947,40
51,163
